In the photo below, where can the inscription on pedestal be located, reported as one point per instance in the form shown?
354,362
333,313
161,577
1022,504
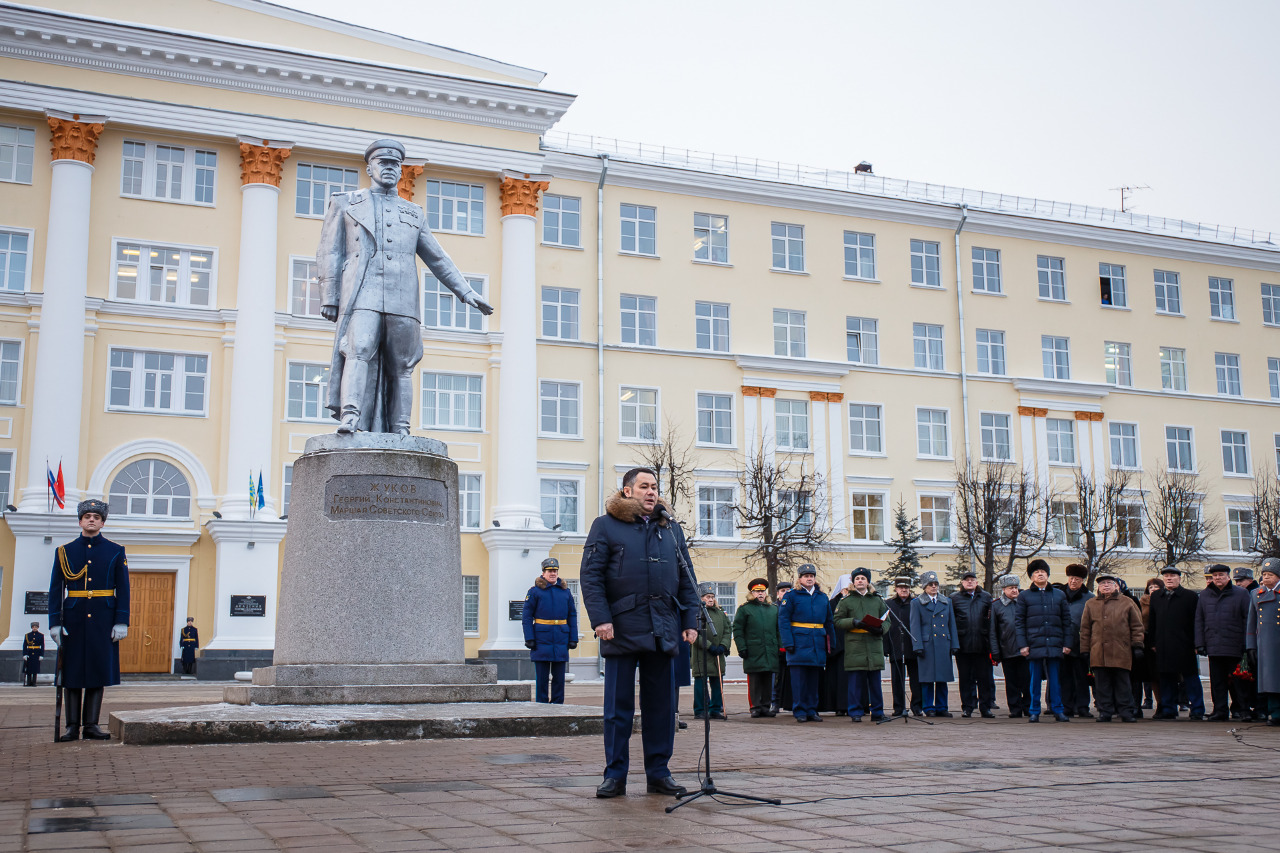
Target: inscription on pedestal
369,497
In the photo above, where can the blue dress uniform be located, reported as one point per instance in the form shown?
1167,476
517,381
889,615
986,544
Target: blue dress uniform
550,629
189,641
32,651
807,633
933,624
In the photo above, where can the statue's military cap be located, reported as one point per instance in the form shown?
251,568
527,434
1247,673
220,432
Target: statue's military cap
379,144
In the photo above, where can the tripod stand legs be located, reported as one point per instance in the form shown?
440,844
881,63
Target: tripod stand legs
709,789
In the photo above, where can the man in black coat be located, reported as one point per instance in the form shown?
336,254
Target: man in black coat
1043,623
1075,664
1172,623
902,654
1004,649
1243,577
972,607
641,601
1222,615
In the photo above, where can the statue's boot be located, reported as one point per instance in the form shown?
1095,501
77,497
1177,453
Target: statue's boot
71,704
92,708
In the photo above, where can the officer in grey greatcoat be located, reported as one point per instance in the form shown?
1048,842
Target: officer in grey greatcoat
370,288
1262,640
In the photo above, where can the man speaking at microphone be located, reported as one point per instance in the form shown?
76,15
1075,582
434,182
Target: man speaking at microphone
641,602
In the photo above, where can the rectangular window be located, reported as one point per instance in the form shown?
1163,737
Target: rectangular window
562,220
15,248
1111,283
711,238
1118,364
455,208
1240,529
639,229
927,343
10,371
1124,445
1178,447
1235,452
788,247
1273,377
1222,298
788,333
286,490
471,604
986,270
452,401
715,511
924,264
796,510
308,392
559,407
167,382
639,413
715,419
1051,274
1129,525
560,504
1168,293
711,326
862,340
164,275
1271,304
935,518
168,172
1227,366
469,501
1061,440
997,439
560,313
859,255
793,424
304,287
640,321
6,477
442,310
866,429
1173,369
1066,523
317,183
866,520
991,352
931,433
727,597
1055,353
17,153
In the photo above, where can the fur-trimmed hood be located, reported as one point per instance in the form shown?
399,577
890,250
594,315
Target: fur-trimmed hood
541,583
631,510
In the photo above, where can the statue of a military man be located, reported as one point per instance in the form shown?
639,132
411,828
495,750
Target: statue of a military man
370,287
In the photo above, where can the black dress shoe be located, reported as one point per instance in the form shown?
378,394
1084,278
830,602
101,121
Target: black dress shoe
987,715
92,732
1128,718
966,714
815,719
1034,718
70,733
875,718
931,713
855,718
682,724
665,785
1196,717
1104,718
716,715
699,716
756,713
611,788
772,712
1062,718
1273,722
947,714
1084,715
1216,717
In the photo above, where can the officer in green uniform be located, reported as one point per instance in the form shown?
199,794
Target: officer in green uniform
709,653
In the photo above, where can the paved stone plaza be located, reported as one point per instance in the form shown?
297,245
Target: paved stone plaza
960,785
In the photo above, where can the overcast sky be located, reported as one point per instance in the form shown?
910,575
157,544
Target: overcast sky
1063,101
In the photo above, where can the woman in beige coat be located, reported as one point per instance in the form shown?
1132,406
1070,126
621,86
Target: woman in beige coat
1111,635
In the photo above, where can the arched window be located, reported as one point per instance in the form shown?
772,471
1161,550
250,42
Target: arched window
150,487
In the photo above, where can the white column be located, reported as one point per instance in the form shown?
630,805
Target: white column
1042,451
750,422
248,557
836,440
818,418
1084,447
36,537
1027,422
768,425
1099,448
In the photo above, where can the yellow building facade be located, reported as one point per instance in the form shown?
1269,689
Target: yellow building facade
164,169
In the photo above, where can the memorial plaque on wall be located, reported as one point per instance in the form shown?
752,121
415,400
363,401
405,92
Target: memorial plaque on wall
248,605
515,610
369,497
37,603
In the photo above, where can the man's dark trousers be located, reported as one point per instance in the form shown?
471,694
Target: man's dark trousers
1017,684
1074,682
1113,691
1169,684
760,690
1222,687
552,672
899,673
805,683
976,689
657,709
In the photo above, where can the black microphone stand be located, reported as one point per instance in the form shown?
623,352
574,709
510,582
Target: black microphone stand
707,786
907,716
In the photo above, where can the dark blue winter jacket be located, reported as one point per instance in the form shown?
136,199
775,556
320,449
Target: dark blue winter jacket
1042,620
804,622
550,620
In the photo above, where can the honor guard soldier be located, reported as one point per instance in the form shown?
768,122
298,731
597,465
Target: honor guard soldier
32,651
550,630
189,641
88,617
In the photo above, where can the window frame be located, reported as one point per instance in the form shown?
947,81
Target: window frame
1234,528
19,363
6,476
481,394
1054,446
855,493
475,219
637,312
286,488
1169,292
927,531
542,381
1270,304
1108,288
637,238
657,415
1122,369
698,410
924,256
982,435
1122,540
560,307
985,276
462,493
30,234
1222,309
711,321
190,496
699,503
946,424
294,283
19,146
1273,377
864,254
150,163
470,314
711,232
560,213
137,371
322,415
467,596
789,240
863,334
297,185
1191,447
1045,271
1049,353
1137,445
1169,376
927,351
790,327
580,486
849,420
1226,370
183,273
990,346
1223,432
791,415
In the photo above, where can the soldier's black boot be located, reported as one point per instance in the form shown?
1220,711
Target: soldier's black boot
92,708
71,704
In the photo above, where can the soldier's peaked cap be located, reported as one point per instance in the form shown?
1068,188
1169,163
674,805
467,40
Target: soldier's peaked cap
550,563
380,144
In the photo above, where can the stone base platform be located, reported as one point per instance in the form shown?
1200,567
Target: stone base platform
225,723
374,684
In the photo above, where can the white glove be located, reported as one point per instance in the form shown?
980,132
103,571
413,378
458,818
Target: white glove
119,632
56,634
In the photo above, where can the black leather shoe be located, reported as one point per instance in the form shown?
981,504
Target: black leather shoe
1034,718
966,714
1062,718
92,732
1128,719
875,718
70,733
610,788
931,713
1013,715
855,719
1196,717
756,713
943,714
1104,718
987,715
815,719
718,716
682,724
665,785
1084,715
1217,718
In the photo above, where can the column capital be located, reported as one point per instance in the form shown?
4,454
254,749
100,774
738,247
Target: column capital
1088,416
750,391
818,396
835,397
262,163
1032,412
74,139
768,392
518,193
409,173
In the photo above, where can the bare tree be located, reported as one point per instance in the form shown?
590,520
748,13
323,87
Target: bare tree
672,456
781,508
1177,526
906,564
1266,514
1105,523
1002,514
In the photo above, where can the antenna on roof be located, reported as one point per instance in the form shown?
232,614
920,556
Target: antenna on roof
1125,193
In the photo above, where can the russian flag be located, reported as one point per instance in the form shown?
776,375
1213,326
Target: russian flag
57,487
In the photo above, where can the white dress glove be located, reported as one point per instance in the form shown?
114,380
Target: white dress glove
119,632
56,634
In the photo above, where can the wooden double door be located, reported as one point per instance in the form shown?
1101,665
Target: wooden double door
149,646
